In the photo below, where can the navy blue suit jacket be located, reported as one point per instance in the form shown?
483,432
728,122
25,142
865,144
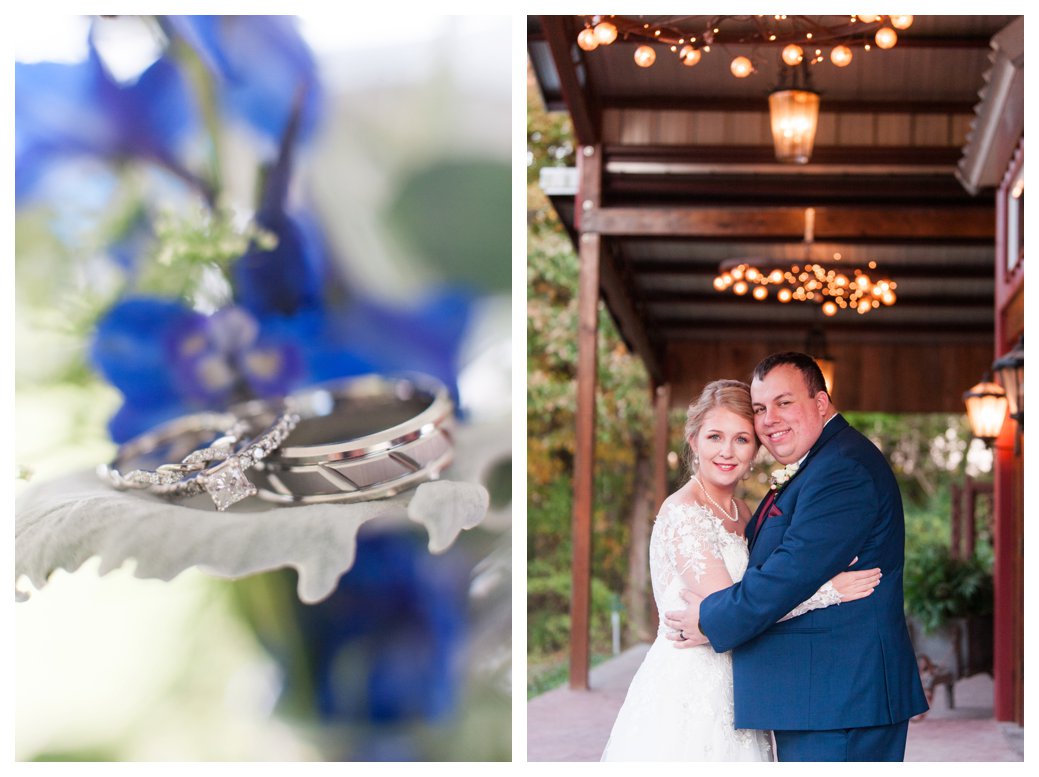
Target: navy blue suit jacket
844,666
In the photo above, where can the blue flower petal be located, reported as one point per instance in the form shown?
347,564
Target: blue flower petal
133,419
263,63
421,339
64,111
282,281
386,645
136,346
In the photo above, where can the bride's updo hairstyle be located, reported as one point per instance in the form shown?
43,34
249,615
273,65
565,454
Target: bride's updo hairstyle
733,395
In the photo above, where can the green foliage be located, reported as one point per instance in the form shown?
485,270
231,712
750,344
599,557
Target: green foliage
548,609
189,245
550,141
458,215
939,587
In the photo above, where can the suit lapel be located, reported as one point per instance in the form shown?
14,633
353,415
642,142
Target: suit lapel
836,424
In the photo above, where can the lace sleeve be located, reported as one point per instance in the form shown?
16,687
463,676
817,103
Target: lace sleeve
824,597
691,544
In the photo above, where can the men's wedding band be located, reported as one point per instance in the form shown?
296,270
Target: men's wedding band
359,439
203,452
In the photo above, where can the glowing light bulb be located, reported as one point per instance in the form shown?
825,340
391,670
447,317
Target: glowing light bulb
829,308
719,283
760,292
741,67
784,295
886,38
689,56
868,19
587,39
645,56
739,287
793,54
606,33
903,22
776,276
840,56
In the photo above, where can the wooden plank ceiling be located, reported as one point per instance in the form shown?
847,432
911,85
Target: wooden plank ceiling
689,181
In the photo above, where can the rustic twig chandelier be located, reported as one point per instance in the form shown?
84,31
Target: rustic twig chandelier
831,284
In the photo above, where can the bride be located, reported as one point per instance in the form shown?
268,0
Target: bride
679,706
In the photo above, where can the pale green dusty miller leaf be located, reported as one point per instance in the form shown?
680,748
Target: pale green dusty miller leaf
446,508
62,523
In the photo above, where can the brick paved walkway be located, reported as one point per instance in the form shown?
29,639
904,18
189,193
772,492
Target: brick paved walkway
565,725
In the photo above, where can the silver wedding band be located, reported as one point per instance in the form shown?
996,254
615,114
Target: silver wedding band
360,439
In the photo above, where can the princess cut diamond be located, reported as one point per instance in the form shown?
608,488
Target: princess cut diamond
227,484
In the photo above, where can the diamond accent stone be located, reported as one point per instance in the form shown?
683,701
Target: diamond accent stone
227,484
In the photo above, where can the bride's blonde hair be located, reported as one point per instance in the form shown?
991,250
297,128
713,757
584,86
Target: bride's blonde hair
733,395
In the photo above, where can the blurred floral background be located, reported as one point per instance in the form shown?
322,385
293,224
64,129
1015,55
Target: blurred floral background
215,208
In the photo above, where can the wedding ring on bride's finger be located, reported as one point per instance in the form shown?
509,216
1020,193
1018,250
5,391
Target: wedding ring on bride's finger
202,453
359,439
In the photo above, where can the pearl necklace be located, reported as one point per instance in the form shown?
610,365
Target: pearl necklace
721,509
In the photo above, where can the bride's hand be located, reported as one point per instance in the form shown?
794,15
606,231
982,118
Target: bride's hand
856,585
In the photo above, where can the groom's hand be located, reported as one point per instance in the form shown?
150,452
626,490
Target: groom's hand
685,624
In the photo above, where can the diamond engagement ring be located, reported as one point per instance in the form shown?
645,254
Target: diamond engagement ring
359,439
212,452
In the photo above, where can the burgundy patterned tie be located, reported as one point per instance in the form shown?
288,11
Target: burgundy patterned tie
762,514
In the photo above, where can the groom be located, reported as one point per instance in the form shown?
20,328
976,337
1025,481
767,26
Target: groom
835,684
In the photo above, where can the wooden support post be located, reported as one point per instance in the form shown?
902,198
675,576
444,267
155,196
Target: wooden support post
584,455
661,406
590,255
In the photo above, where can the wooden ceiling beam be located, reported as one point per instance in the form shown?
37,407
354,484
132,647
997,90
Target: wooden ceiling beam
777,190
706,328
584,111
911,156
729,104
787,223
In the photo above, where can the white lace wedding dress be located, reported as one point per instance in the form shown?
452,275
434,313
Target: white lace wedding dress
679,705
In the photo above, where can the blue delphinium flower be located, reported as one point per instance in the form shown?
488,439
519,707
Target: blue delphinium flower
66,111
168,360
287,278
387,643
262,65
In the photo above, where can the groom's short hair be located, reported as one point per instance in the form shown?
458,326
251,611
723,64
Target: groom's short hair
808,367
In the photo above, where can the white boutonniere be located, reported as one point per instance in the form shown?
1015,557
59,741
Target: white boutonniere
781,476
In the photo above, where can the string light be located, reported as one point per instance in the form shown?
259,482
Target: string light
741,67
886,38
793,54
840,56
645,56
791,32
